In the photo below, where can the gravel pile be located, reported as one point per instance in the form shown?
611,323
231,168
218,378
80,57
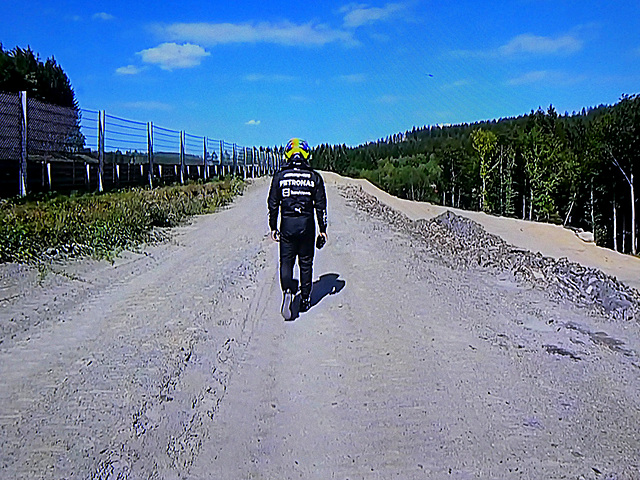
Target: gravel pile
462,243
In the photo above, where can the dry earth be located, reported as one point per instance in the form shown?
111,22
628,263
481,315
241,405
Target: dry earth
174,363
550,240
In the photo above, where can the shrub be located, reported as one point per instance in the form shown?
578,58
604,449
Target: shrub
102,225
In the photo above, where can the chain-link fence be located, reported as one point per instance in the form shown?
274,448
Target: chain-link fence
52,129
30,156
10,118
10,142
68,149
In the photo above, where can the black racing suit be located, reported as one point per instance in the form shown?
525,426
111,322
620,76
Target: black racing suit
296,191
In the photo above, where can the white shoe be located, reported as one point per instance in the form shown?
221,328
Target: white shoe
286,305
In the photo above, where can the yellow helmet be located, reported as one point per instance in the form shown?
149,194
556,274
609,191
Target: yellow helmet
297,149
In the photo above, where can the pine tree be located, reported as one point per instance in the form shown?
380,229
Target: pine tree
22,70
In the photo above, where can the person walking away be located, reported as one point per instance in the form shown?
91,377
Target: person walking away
296,192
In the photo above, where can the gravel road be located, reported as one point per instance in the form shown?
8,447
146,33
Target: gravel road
174,363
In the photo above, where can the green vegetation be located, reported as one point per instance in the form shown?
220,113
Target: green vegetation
101,225
577,170
22,70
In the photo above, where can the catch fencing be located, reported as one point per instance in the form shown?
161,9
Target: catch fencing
47,148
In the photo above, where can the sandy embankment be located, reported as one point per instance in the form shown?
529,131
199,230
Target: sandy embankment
550,240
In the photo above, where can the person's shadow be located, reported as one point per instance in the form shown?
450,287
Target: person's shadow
327,284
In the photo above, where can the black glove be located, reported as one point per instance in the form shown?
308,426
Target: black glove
320,241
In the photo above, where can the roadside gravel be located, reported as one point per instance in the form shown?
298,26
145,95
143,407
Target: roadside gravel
413,362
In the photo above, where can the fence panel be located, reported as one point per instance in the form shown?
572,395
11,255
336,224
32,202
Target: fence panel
193,156
10,117
52,129
70,150
166,153
166,145
10,143
89,128
125,136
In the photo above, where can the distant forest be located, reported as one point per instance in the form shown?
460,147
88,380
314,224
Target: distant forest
574,169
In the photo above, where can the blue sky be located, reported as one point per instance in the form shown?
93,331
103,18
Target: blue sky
258,73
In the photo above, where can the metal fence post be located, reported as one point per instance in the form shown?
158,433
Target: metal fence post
253,162
101,135
244,162
23,149
220,158
204,157
150,151
182,140
259,156
235,160
49,179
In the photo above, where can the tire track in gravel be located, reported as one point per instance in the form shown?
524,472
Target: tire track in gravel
420,370
122,384
177,364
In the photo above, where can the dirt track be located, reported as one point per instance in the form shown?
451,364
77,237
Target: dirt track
176,363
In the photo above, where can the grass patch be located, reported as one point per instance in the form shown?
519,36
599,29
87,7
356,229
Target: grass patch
102,225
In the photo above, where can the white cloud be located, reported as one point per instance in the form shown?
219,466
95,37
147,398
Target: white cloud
253,122
535,44
272,78
529,77
283,33
546,77
357,15
170,56
129,70
103,16
528,44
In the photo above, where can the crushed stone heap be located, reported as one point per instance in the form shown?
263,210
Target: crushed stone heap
462,243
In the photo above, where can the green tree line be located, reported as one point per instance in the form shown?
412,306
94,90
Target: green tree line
575,169
22,70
